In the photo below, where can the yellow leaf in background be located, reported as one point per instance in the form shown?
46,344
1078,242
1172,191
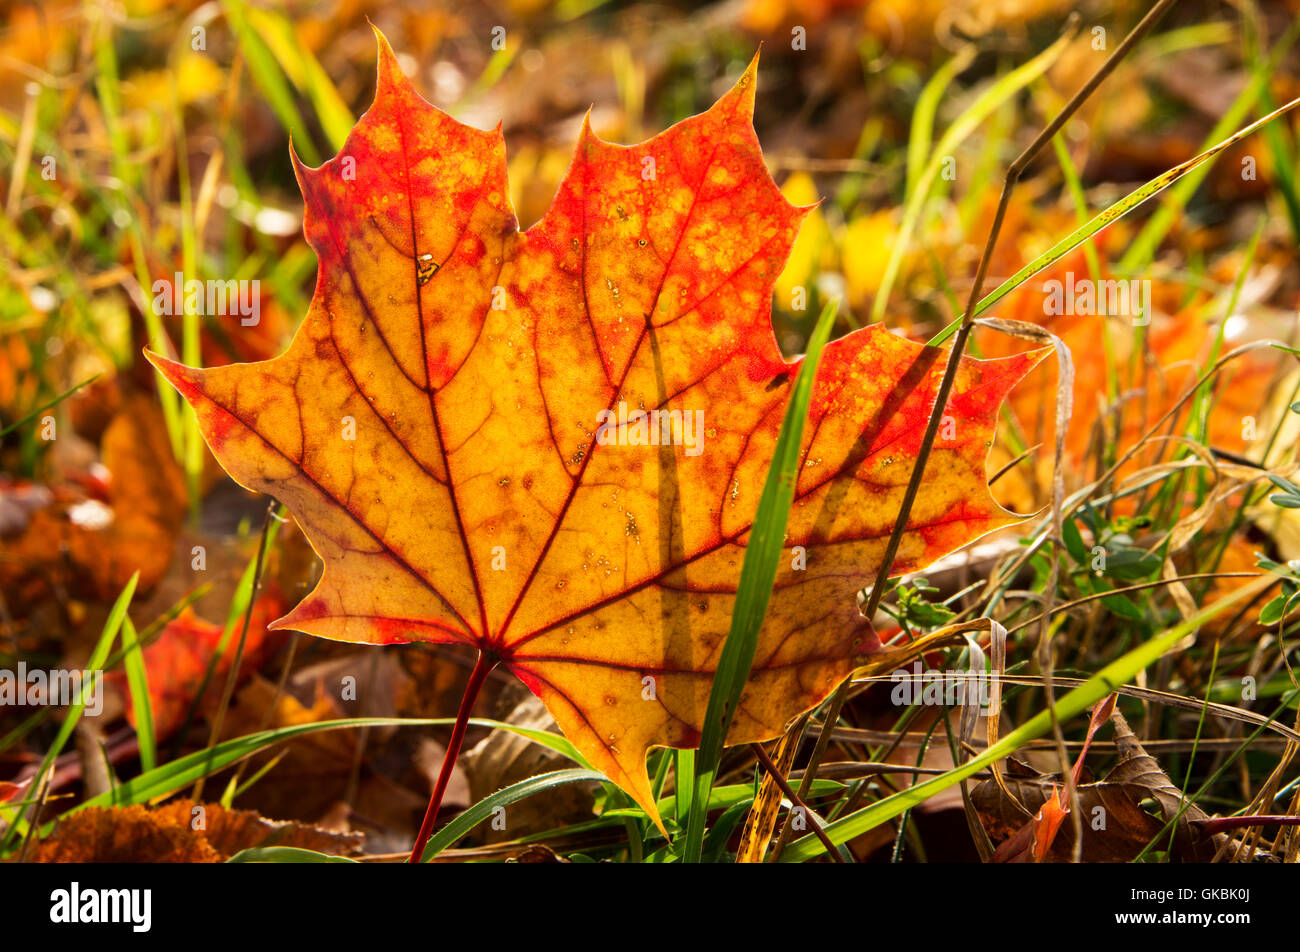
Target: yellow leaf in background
866,251
535,174
806,257
197,78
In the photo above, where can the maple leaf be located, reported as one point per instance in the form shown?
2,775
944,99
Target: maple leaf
457,425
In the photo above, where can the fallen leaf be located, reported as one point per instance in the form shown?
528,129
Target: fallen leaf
1117,823
310,773
177,661
756,834
92,545
229,831
1128,828
1140,774
441,424
428,759
10,790
503,758
536,854
1034,840
179,832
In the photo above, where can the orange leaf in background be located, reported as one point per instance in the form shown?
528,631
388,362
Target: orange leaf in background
1034,840
178,660
459,426
1047,823
91,547
1179,341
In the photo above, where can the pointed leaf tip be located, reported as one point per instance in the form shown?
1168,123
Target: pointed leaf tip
389,75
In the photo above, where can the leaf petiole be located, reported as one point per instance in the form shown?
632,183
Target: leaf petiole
482,668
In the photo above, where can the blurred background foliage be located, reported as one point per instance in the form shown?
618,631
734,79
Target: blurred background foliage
141,138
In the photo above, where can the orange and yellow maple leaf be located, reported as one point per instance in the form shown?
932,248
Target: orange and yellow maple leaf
461,424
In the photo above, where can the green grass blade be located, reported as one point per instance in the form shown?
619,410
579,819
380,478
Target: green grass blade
127,171
138,680
1121,208
757,575
1143,247
304,71
183,771
94,665
1118,672
239,603
993,97
45,406
486,807
107,634
270,79
285,854
927,106
684,774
